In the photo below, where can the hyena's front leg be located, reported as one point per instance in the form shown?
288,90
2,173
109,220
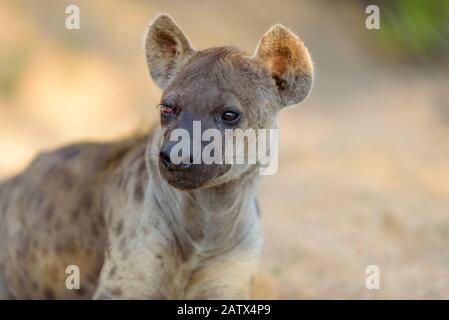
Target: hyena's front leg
133,271
138,261
224,279
4,293
128,281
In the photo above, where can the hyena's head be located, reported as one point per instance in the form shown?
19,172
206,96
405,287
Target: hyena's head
219,89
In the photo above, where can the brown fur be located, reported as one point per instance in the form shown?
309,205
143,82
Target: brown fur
136,229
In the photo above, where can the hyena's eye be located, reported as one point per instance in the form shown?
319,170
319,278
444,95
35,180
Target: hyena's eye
166,110
231,117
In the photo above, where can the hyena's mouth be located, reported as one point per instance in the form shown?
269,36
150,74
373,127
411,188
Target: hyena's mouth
191,176
170,166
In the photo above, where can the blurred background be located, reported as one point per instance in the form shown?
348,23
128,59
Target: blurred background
363,177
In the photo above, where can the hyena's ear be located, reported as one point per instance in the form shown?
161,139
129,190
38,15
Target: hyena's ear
166,49
288,62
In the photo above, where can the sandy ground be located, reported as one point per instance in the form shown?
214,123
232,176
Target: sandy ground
363,176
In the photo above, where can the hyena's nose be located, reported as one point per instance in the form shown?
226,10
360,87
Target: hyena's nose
175,165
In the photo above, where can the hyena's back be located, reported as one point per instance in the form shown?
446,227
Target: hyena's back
51,216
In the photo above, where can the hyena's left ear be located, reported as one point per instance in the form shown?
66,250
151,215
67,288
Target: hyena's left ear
288,62
166,49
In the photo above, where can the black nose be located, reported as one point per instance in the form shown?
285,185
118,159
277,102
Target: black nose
164,155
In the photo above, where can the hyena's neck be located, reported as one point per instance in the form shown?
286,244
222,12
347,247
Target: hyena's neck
208,220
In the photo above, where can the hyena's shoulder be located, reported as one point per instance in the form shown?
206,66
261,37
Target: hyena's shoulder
64,168
51,215
64,174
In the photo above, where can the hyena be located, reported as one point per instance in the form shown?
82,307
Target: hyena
138,225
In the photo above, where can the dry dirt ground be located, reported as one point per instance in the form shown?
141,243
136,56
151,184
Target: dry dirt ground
363,176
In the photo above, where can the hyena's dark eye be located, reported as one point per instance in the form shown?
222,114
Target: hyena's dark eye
231,117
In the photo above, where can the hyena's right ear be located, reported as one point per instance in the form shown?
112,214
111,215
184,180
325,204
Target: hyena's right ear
288,62
166,49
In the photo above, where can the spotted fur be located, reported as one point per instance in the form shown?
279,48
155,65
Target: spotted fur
134,229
